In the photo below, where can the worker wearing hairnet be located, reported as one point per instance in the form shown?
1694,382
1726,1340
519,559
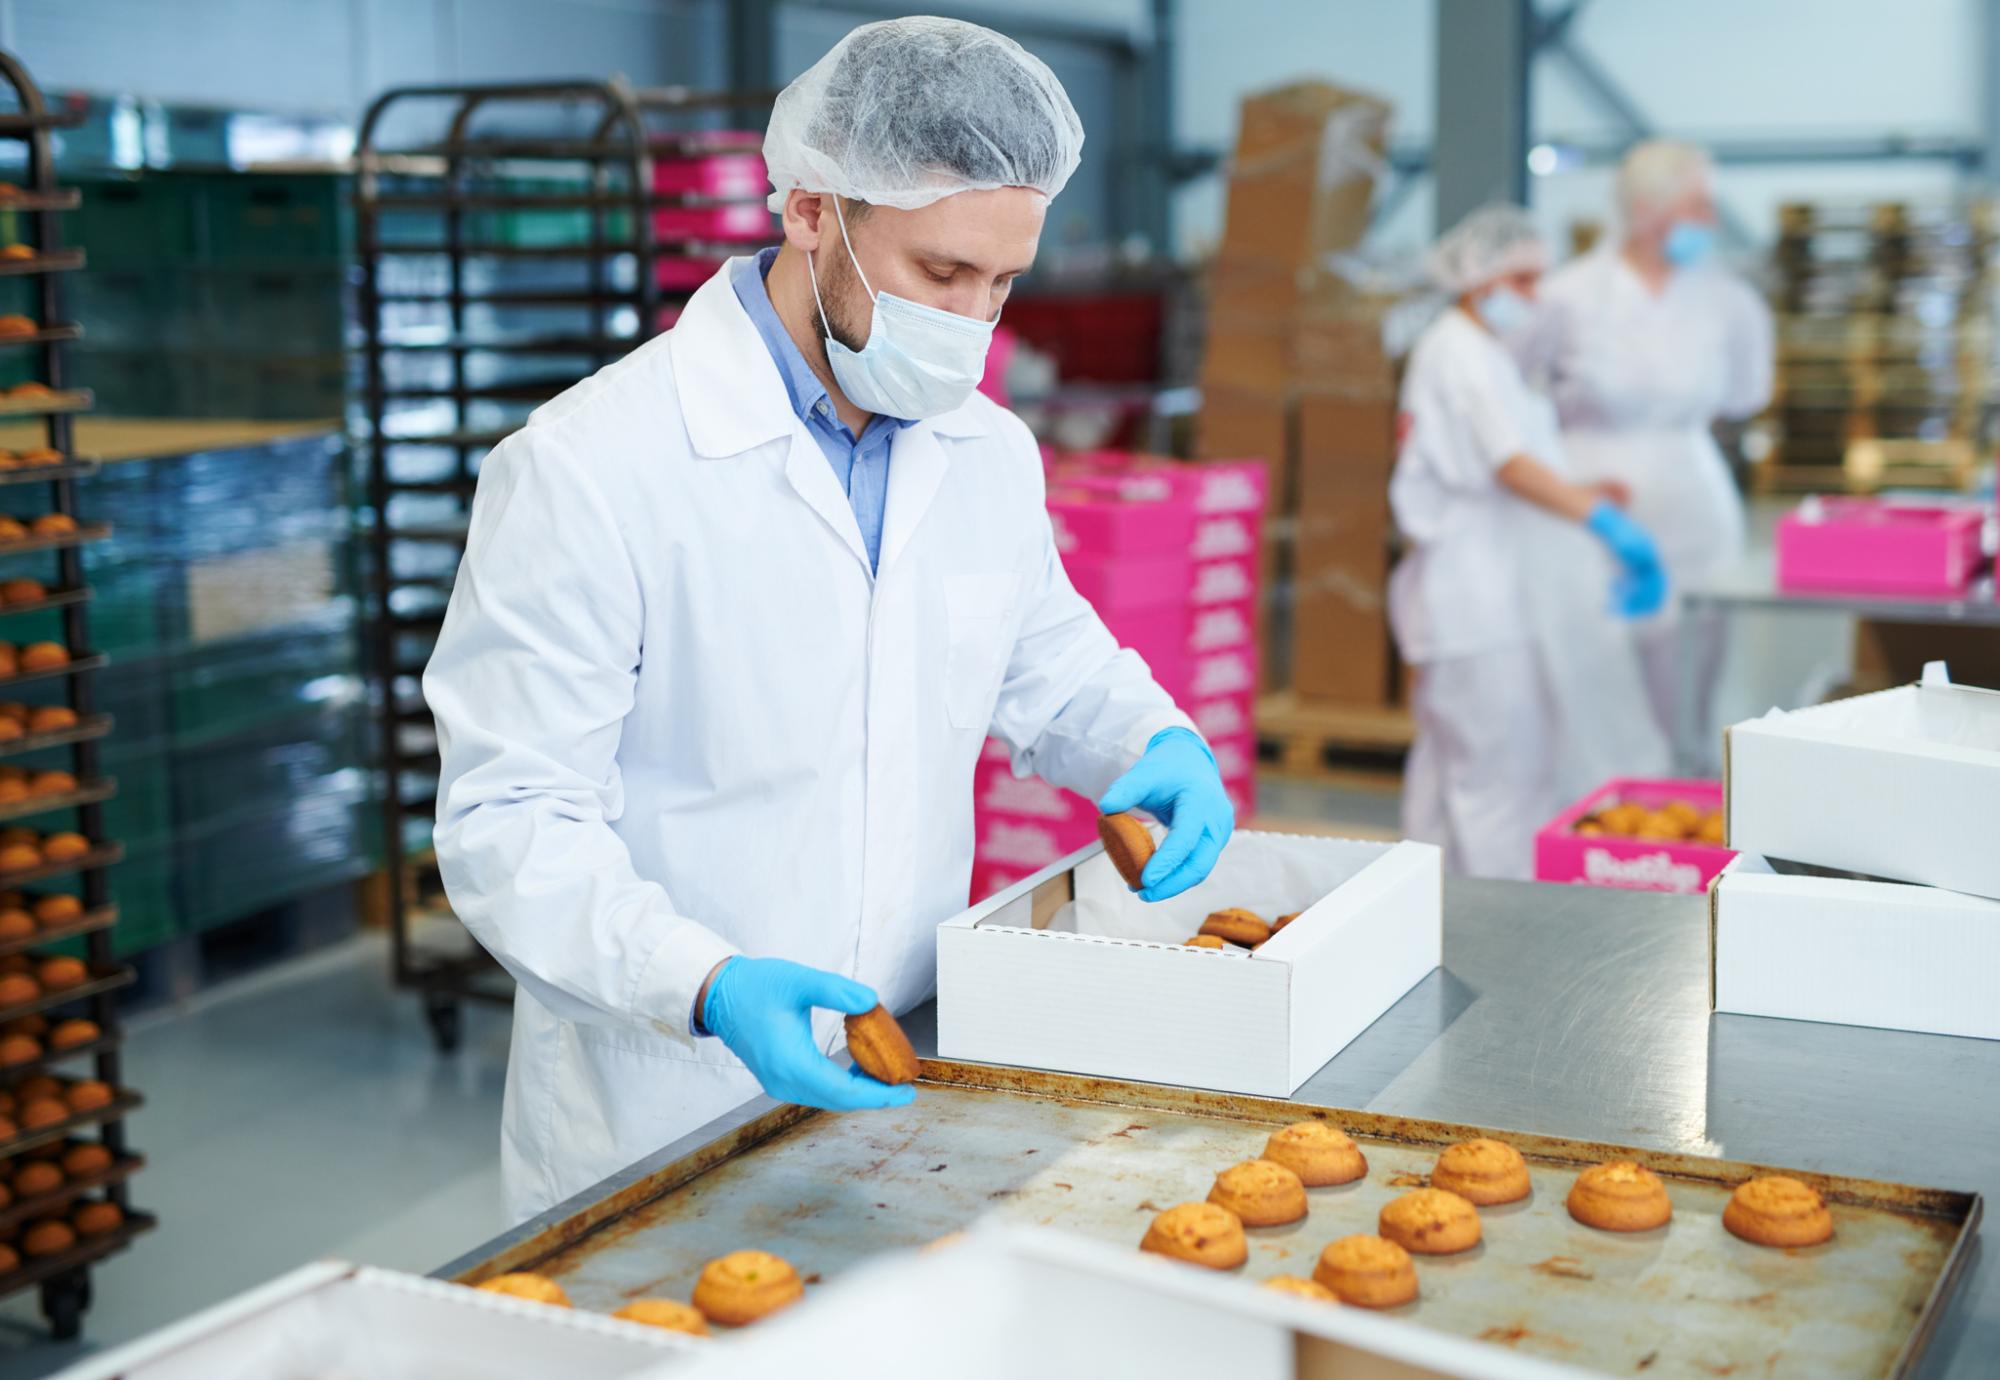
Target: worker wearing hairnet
737,613
1644,344
1510,600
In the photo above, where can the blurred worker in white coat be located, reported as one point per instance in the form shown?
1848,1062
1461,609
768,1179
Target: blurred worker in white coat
738,611
1645,343
1510,602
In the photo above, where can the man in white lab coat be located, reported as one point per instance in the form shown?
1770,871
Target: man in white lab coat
737,612
1645,343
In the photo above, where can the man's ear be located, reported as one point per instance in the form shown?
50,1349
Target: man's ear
802,214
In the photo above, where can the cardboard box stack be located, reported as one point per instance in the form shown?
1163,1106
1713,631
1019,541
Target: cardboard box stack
1167,554
1296,370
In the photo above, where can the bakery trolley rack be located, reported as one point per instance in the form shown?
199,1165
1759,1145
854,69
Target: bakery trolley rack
35,207
511,241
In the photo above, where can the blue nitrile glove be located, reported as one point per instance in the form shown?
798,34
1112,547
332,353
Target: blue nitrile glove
762,1009
1176,782
1642,587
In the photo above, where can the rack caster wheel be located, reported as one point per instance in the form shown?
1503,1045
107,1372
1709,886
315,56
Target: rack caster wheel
443,1013
64,1300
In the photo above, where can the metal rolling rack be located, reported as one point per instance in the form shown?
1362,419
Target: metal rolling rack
504,255
63,1275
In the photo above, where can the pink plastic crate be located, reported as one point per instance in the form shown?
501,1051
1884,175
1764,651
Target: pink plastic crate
1242,793
1215,486
1224,582
1223,716
1094,516
1873,547
740,174
1223,673
1563,855
1115,582
1227,536
1159,635
996,790
990,879
739,220
1222,626
1024,842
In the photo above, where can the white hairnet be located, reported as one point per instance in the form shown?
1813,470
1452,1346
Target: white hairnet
1657,173
1490,243
909,111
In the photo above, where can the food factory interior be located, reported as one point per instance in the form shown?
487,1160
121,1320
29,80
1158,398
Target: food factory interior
724,688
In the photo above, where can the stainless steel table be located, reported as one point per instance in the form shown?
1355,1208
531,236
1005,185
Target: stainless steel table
1752,583
1578,1012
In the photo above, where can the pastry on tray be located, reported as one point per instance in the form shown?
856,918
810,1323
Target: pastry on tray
1203,941
671,1314
1244,928
1482,1172
532,1287
1128,843
1321,1155
1620,1196
1284,920
880,1048
97,1218
1430,1221
744,1286
1774,1210
1200,1234
1302,1288
1260,1193
1367,1271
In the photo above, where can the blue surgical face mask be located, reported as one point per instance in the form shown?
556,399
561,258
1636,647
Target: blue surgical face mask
1688,242
919,361
1504,311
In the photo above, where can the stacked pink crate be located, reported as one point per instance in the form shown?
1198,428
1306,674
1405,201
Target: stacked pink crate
1167,555
717,183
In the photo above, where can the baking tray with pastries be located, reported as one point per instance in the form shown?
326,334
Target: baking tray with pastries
39,464
30,1042
1129,844
31,983
31,854
44,1107
45,531
27,791
25,258
48,1178
21,594
41,917
50,1245
34,398
40,660
1609,1258
29,727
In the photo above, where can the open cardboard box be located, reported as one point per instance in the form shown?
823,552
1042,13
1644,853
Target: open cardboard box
1009,1302
335,1321
1852,952
1899,784
1069,970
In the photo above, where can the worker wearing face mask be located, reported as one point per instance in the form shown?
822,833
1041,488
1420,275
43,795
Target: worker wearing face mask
738,612
1510,602
1645,343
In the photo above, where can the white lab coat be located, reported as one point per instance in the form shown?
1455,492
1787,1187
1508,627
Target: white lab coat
679,719
1528,691
1638,381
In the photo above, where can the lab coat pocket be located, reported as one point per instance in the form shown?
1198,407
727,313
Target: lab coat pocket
979,617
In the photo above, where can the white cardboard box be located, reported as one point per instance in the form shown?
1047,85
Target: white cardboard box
335,1321
1069,970
1900,784
1852,952
1006,1303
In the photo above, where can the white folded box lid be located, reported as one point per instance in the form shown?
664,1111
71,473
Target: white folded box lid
337,1320
1850,952
1069,970
1900,784
1011,1302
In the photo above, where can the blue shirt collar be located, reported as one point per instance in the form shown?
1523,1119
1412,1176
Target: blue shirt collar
802,385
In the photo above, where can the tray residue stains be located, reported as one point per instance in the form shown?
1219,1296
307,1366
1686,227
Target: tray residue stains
1562,1267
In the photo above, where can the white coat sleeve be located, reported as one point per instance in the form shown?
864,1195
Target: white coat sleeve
1075,708
1490,405
1750,353
533,675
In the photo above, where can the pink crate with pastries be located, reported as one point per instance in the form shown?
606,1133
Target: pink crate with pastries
1869,546
1631,864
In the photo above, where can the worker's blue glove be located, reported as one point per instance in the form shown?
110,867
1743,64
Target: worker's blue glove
1641,587
1176,782
762,1009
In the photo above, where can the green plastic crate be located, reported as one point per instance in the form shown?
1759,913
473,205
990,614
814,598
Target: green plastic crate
275,218
138,221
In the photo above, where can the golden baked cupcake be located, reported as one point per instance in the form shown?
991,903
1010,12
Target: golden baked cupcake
19,1049
744,1286
97,1218
41,1085
60,972
16,988
36,1178
22,591
84,1159
87,1095
1199,1233
671,1314
1260,1193
10,1260
1620,1196
880,1048
1203,941
1367,1272
48,1238
53,525
1320,1154
1302,1288
1129,845
49,718
16,923
44,656
522,1285
57,909
51,783
19,857
1241,927
1430,1221
64,846
1712,829
1775,1210
1284,920
1482,1172
68,1034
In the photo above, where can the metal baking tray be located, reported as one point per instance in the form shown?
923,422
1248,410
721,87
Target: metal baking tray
1098,1157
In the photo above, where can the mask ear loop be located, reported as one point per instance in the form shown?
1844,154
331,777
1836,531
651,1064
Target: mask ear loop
837,215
